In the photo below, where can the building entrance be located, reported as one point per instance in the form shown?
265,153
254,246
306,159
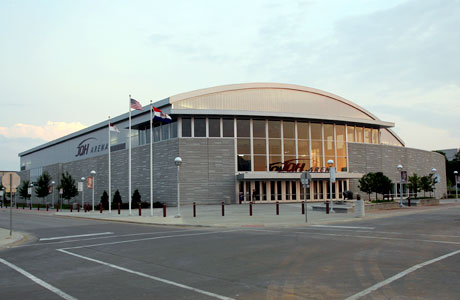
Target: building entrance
289,190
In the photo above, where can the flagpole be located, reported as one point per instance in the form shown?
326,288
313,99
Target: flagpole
151,162
129,155
110,175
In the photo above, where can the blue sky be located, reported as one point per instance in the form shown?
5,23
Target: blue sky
70,64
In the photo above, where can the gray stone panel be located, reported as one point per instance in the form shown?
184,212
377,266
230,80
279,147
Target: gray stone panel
365,158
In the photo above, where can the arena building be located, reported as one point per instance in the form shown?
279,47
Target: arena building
248,141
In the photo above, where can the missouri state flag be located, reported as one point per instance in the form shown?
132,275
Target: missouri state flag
158,115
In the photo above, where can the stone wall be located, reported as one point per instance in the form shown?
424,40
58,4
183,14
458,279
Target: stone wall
365,158
207,174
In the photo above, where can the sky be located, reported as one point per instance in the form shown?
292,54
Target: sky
66,65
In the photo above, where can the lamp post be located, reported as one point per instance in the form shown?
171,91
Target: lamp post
31,186
400,167
83,191
178,162
456,187
52,184
434,187
330,164
94,184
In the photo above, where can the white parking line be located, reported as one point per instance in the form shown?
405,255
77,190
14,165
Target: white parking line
148,239
38,281
74,236
343,227
149,276
399,275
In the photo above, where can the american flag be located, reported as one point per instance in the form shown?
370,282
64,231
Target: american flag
135,104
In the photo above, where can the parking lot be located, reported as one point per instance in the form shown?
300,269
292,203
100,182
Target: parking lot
411,256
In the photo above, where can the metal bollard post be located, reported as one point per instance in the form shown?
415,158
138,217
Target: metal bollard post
57,208
303,207
24,206
194,209
277,208
71,208
140,209
78,207
408,201
223,209
164,210
47,207
100,208
250,208
38,206
327,208
30,206
119,208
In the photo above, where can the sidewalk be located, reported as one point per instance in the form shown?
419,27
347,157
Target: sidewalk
237,215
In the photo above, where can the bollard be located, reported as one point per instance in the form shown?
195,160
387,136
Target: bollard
78,207
119,205
71,208
24,206
38,206
30,206
57,208
194,209
47,207
140,209
327,208
100,208
250,208
223,209
303,207
17,205
164,210
277,208
408,201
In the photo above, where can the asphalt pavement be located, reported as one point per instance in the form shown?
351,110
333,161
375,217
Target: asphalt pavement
401,254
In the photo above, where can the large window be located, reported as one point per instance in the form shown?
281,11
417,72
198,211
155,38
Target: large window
259,145
186,127
214,127
200,127
228,128
316,145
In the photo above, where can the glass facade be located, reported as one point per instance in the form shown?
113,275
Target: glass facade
283,145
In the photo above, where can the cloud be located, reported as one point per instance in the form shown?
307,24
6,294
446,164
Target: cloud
50,131
11,146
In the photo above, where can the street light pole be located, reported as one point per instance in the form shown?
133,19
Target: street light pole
94,184
83,192
456,187
330,164
178,162
52,203
434,189
400,167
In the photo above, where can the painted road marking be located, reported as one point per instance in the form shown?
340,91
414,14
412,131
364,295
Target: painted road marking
148,239
102,237
399,275
149,276
74,236
343,227
38,281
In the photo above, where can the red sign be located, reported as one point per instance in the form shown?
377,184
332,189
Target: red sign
295,165
89,182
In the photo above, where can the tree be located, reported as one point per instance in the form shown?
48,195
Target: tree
105,200
414,183
68,186
136,198
427,183
43,183
381,184
23,189
116,199
365,184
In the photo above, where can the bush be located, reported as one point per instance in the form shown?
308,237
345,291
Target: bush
135,199
117,199
105,200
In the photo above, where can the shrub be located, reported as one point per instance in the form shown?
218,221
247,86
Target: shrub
105,200
117,199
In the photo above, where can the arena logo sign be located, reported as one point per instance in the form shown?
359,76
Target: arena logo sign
293,165
87,146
